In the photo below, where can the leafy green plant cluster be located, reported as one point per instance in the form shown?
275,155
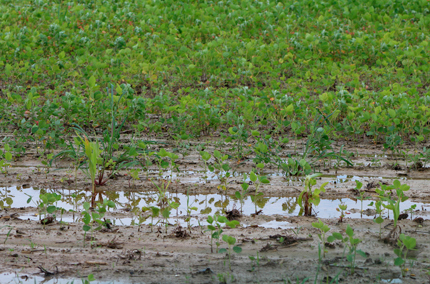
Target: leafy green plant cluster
89,218
6,157
309,197
231,66
351,243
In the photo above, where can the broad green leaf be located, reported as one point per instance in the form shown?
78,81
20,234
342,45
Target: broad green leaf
399,261
237,249
253,177
51,209
349,231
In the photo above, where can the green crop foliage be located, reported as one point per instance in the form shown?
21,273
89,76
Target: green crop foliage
309,196
233,66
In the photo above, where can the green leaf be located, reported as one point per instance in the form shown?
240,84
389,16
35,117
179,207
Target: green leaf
396,183
245,186
349,231
174,205
91,277
155,211
86,206
86,228
225,238
231,131
51,209
8,156
362,253
92,82
232,224
253,177
205,155
86,219
223,250
358,184
210,219
289,109
165,213
399,261
337,236
237,249
231,241
255,133
222,219
162,153
217,154
318,224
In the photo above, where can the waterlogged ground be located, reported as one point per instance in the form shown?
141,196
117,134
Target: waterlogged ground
133,251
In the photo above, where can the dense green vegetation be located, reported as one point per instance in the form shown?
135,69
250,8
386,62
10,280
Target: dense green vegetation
193,67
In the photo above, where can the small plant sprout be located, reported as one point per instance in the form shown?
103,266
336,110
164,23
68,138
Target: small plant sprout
342,208
379,209
358,189
155,212
215,227
394,202
5,158
190,209
242,194
165,212
231,241
309,197
134,174
349,242
221,168
411,210
257,180
405,244
92,151
205,157
323,230
255,261
90,217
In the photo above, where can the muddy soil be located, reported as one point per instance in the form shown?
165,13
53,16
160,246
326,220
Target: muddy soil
147,254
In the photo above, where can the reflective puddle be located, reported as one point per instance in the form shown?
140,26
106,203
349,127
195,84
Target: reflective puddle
129,206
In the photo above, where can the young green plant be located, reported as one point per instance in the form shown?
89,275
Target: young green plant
309,197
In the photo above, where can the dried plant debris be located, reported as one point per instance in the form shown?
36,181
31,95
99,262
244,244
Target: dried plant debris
134,254
233,214
46,272
269,247
288,240
47,220
419,220
112,244
180,232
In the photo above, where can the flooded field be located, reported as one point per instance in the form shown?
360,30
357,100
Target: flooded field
162,224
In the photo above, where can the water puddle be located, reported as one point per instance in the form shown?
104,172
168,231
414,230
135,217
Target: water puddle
197,206
396,280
